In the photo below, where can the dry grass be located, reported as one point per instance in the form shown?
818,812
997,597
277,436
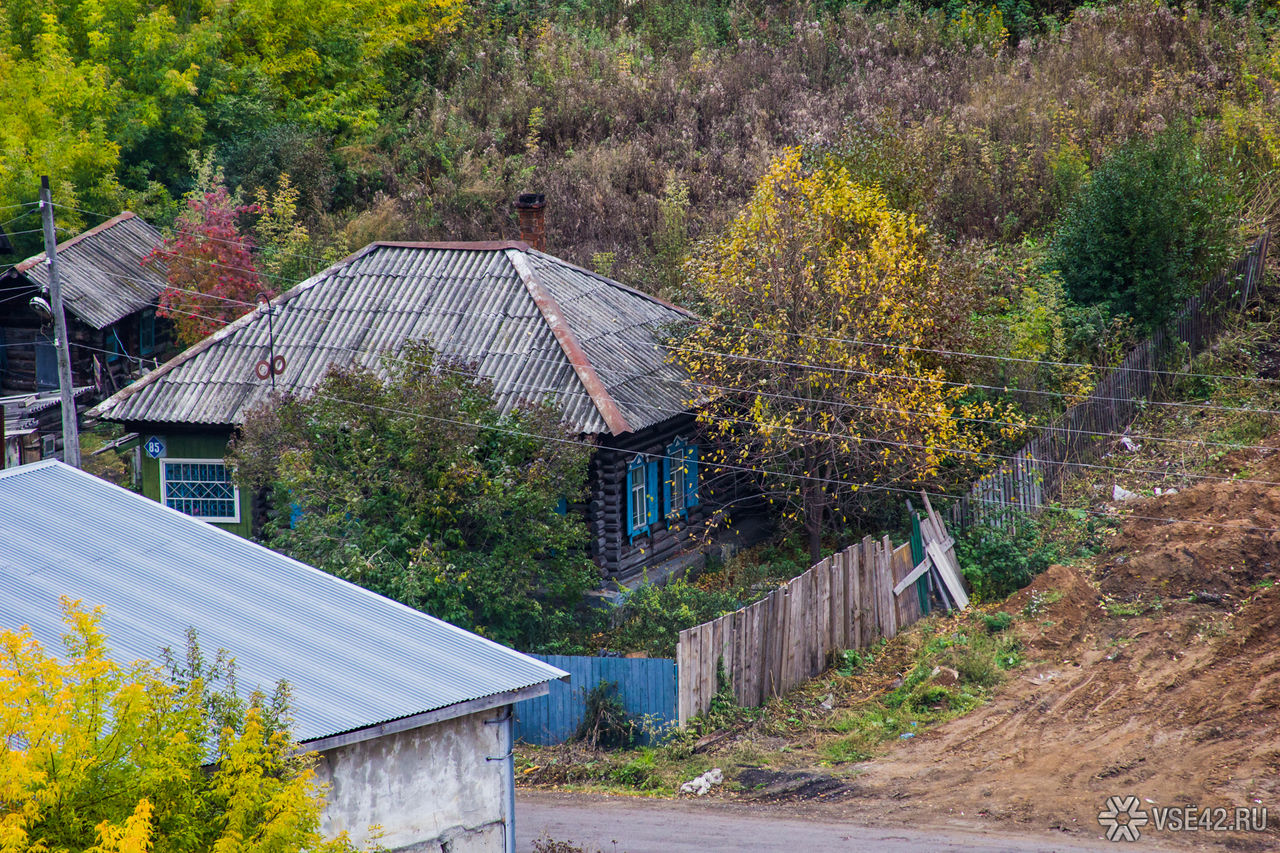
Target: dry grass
984,139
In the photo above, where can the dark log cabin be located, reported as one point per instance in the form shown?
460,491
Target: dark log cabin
110,298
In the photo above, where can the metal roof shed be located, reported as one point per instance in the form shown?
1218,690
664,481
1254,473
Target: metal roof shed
366,672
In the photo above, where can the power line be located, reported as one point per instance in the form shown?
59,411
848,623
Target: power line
816,336
1019,425
977,454
955,451
812,478
808,478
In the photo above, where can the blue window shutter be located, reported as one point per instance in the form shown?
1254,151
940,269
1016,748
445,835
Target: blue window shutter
562,506
691,476
666,485
631,474
651,487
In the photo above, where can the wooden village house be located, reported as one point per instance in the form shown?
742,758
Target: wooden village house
536,326
110,301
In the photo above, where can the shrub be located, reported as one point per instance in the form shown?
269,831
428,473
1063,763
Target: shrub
418,488
996,622
605,722
103,757
640,772
653,615
1152,222
997,561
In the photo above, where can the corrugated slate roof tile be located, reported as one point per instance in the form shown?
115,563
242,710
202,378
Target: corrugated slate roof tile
103,278
522,317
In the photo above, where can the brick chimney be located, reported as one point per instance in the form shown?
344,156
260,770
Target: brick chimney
533,227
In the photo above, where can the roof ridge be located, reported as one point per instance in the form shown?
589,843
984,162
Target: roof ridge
614,283
457,245
225,332
568,341
68,243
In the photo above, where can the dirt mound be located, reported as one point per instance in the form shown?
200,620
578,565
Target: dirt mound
1157,674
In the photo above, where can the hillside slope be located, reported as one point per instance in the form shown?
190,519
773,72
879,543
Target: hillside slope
1156,674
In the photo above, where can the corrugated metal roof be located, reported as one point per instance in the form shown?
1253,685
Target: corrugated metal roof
533,324
352,658
103,278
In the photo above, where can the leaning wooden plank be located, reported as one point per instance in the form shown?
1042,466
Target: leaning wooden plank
912,576
908,608
954,585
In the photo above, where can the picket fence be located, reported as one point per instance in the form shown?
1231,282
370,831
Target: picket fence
1034,476
847,601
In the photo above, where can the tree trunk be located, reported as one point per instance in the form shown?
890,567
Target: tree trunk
813,527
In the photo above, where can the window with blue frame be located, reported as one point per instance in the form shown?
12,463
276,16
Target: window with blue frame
200,487
680,479
642,496
637,520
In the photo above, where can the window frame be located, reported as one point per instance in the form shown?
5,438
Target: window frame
147,331
637,466
115,346
165,461
46,356
674,464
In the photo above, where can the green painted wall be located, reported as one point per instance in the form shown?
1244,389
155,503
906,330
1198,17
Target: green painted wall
193,446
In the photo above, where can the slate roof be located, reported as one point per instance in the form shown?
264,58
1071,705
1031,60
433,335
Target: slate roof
535,325
352,658
103,279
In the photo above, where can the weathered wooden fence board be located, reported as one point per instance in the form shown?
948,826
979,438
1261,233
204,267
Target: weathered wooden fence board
646,686
1035,475
846,601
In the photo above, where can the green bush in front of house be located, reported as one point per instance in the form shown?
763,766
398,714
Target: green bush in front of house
419,489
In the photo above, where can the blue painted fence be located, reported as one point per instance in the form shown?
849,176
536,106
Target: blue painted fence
647,686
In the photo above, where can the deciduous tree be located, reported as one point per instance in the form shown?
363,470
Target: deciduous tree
814,301
210,265
99,757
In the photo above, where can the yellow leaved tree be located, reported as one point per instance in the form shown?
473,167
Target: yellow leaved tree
102,758
817,304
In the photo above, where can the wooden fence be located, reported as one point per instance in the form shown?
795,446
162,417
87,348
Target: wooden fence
646,686
1035,474
847,601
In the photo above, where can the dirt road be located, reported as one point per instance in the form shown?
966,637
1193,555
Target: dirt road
637,825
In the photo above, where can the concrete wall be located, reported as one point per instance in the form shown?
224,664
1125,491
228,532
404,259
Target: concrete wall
429,789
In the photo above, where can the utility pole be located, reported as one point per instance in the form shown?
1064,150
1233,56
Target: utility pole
70,426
